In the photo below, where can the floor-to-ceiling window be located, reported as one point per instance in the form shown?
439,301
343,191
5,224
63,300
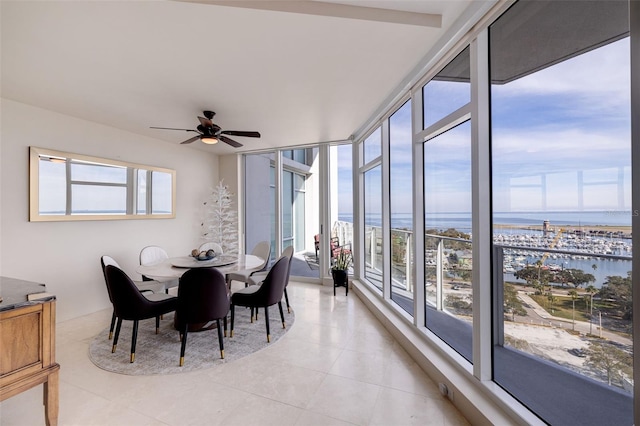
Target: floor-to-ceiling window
447,204
288,216
372,195
293,210
526,157
297,218
300,208
259,200
561,162
299,198
341,195
401,207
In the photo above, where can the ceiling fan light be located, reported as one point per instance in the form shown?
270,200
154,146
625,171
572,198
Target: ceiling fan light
209,140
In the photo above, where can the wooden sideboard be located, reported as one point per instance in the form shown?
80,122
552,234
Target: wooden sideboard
27,342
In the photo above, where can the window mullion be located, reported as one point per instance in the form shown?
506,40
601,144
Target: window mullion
481,207
386,214
418,209
634,27
278,182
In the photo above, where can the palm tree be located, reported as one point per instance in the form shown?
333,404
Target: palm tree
592,291
552,299
574,295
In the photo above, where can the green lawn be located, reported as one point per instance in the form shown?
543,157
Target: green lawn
562,307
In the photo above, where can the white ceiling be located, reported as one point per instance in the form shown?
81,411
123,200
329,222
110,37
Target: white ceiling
297,78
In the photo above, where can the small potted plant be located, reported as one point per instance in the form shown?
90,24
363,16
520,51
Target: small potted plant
339,269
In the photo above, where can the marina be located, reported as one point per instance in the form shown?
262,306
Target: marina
601,256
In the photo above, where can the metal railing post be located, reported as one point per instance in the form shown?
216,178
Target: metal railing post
407,264
439,275
498,308
373,247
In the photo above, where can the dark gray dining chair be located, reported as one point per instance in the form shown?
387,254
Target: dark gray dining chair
129,304
259,277
202,297
265,295
147,288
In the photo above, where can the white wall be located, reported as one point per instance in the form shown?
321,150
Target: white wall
66,255
229,173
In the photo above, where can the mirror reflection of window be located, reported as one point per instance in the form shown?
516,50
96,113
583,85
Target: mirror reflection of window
141,184
161,194
98,188
67,186
52,186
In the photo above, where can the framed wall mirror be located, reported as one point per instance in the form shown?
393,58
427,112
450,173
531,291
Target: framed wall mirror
66,186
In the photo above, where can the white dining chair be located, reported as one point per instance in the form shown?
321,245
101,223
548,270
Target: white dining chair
261,250
211,245
257,277
153,254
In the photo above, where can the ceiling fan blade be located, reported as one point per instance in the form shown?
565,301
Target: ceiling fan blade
205,122
171,128
230,141
240,133
193,139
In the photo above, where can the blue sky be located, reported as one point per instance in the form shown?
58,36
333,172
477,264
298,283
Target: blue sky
557,133
569,123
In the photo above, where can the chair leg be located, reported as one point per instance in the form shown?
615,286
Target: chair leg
281,315
233,309
134,337
183,346
115,338
157,324
266,320
220,342
286,299
113,324
252,315
224,320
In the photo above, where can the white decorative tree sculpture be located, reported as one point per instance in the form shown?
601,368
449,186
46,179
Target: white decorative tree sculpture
220,223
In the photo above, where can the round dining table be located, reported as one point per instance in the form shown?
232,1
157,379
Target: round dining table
174,267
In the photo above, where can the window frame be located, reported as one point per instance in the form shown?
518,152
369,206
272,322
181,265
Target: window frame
480,373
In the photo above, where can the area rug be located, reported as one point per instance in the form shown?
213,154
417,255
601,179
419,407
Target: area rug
160,353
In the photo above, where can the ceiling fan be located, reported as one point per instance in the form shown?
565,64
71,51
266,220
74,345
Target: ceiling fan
211,133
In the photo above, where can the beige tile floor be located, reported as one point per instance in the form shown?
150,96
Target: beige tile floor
336,366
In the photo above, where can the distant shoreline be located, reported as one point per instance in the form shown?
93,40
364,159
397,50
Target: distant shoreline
590,229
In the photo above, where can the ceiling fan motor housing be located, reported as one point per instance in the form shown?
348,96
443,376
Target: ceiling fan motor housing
208,131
